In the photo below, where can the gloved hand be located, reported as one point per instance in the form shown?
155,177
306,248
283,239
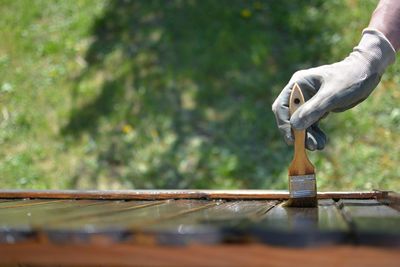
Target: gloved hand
336,87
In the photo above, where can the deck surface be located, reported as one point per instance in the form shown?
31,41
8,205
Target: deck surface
181,219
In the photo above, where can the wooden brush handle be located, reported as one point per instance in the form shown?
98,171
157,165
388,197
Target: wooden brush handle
300,164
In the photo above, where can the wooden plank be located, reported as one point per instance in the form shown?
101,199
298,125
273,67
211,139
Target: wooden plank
137,217
36,213
70,221
224,212
66,210
110,227
215,224
303,226
18,217
373,223
200,255
107,208
24,221
175,194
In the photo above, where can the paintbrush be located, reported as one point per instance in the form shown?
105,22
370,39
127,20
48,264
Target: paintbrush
302,182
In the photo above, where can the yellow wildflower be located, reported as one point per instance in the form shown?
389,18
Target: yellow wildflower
245,13
126,129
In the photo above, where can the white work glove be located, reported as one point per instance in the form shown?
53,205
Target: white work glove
336,87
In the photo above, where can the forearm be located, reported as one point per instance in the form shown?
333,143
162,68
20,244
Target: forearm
386,19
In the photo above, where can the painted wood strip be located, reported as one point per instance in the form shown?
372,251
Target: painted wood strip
176,194
373,223
211,225
120,226
224,212
135,217
35,213
222,215
30,222
66,211
303,226
18,220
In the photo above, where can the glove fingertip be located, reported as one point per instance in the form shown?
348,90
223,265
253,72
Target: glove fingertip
310,143
297,122
308,114
310,146
289,139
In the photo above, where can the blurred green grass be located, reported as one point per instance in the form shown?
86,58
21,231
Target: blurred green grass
177,94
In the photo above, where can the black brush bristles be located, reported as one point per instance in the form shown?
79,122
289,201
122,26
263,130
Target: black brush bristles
304,202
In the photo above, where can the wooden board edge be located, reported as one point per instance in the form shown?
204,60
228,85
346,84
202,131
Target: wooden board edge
196,255
177,194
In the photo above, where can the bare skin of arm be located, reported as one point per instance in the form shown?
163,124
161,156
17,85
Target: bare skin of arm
386,19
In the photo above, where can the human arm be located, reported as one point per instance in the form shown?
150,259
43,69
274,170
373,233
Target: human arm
342,85
386,19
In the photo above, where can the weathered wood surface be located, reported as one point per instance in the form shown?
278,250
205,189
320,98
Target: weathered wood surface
176,194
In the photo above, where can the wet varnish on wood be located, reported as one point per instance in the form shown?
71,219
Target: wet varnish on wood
257,224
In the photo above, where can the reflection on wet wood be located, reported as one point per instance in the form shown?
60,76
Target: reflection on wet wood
224,212
218,223
303,226
34,213
154,212
107,208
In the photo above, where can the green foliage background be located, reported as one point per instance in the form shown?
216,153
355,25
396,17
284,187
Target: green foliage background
177,94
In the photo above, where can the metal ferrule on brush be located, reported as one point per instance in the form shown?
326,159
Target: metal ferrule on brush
301,186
